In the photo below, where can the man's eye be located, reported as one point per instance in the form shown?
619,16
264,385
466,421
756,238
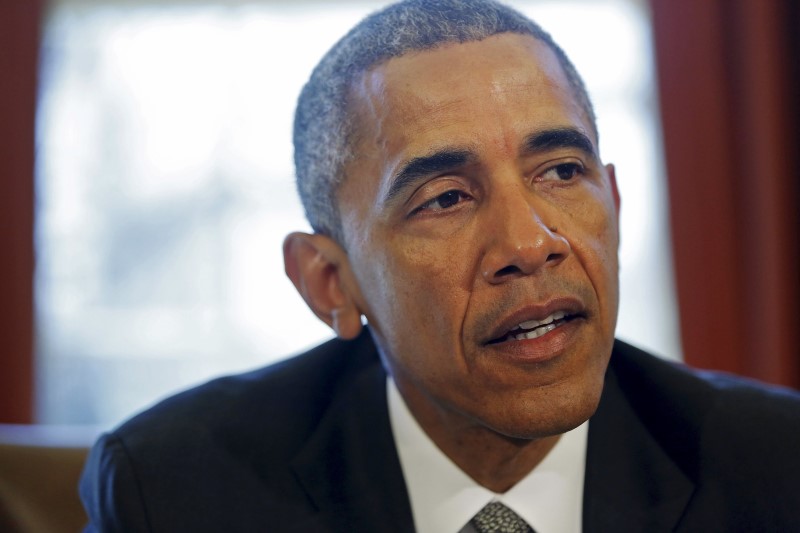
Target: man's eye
445,200
563,172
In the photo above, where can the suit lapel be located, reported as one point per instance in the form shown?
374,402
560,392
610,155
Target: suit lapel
631,482
350,468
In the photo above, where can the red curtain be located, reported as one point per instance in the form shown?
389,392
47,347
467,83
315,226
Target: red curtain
19,44
728,84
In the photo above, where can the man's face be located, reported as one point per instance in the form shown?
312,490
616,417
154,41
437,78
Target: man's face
481,230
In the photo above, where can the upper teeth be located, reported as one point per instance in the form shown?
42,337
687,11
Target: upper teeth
531,324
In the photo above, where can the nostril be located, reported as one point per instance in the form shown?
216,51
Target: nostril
507,271
515,270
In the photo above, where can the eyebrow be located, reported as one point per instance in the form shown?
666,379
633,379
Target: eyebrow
423,166
558,138
452,159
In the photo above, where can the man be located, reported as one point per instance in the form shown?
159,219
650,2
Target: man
447,158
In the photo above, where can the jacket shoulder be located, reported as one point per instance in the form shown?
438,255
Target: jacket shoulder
220,453
701,397
293,392
736,439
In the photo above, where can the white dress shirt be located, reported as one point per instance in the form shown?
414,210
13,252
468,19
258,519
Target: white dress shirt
443,498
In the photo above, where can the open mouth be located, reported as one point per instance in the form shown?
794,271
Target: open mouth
531,329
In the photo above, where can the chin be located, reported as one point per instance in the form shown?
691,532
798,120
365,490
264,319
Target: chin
548,416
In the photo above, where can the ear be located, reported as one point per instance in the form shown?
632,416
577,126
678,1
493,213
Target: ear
612,180
320,271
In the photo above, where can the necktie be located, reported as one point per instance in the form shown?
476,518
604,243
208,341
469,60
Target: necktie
497,518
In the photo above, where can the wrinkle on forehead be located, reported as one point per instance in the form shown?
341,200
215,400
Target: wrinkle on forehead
397,80
419,112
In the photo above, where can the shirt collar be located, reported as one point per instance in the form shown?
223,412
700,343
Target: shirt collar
443,498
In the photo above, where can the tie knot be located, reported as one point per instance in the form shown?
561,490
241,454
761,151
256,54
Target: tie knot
497,518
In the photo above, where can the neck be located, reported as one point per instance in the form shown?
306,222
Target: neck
494,460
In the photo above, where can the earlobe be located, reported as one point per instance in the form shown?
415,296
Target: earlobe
346,324
317,266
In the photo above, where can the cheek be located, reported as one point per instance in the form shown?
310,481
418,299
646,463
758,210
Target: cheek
422,286
603,269
594,239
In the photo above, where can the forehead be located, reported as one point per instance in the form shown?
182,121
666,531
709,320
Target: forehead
421,93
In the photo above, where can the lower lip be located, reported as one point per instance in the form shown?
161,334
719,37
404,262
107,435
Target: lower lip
541,349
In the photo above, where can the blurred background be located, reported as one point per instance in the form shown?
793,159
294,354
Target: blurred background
146,184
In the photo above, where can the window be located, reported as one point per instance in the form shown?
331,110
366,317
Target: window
165,187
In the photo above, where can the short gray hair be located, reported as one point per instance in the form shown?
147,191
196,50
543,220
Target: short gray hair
323,125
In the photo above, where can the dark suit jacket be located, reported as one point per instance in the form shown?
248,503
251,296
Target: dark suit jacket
305,445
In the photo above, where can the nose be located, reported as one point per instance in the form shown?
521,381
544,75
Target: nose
520,241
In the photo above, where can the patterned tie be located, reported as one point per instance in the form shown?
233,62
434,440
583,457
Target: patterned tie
497,518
